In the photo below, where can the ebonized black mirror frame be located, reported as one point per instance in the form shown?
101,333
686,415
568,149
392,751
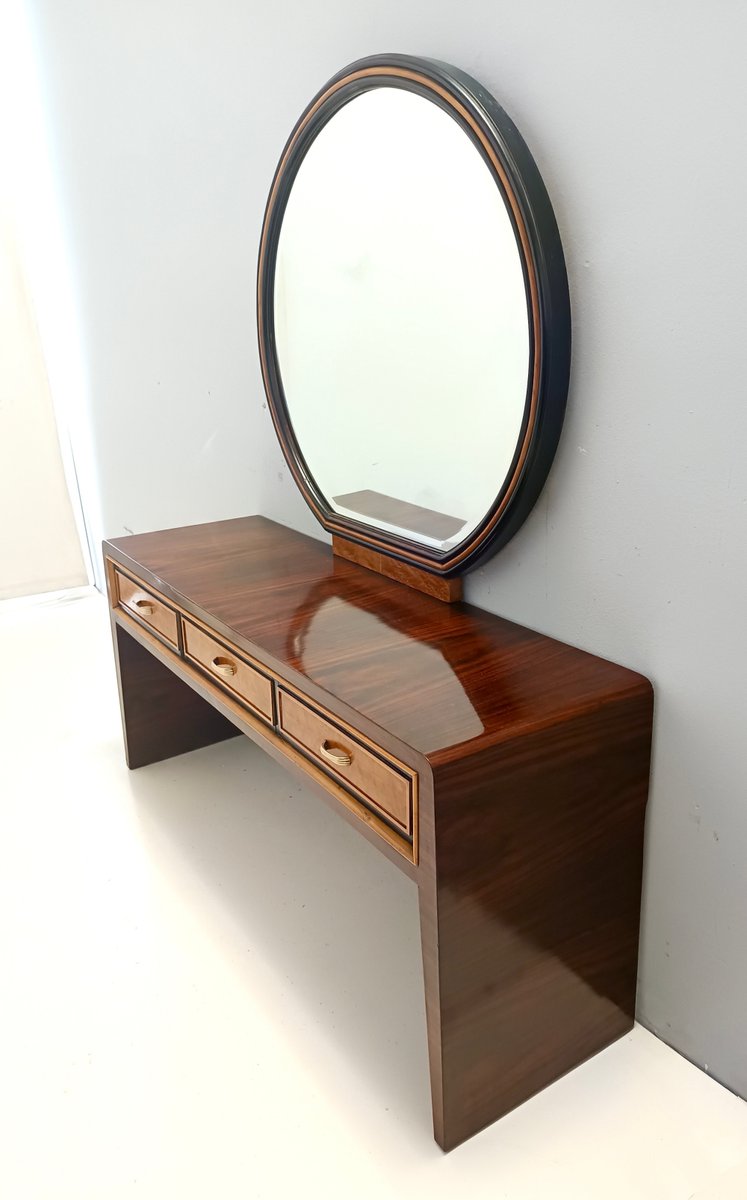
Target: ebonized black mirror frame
516,175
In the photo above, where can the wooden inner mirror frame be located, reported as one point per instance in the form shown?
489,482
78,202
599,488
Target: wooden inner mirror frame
517,177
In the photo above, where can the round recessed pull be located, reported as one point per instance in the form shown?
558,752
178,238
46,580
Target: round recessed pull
335,754
145,607
223,666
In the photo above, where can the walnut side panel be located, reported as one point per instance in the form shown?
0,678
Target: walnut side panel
530,905
161,715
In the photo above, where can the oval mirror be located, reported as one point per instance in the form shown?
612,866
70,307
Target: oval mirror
413,314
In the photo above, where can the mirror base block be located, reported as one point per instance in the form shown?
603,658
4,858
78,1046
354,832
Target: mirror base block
448,590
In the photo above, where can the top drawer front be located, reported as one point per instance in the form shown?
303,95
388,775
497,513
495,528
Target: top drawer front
135,598
384,788
225,666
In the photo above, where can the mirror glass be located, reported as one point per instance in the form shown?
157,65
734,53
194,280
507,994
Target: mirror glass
401,319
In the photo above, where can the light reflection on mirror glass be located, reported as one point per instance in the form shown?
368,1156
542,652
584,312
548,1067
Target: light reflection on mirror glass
401,319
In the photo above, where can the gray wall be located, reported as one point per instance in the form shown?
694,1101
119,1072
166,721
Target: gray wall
166,120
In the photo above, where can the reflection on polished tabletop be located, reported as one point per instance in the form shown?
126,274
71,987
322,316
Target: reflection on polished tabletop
372,643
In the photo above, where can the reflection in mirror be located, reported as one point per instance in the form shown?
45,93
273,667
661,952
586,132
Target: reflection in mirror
401,320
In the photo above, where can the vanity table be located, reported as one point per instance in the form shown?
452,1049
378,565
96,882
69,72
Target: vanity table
504,772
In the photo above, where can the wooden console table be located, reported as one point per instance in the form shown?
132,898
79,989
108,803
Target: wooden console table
504,772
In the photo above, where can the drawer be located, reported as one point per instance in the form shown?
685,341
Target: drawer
228,669
135,598
384,787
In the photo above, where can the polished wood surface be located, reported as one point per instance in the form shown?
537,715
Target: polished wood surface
530,900
428,675
531,760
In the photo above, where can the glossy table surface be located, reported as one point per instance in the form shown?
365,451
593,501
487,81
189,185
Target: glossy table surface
435,676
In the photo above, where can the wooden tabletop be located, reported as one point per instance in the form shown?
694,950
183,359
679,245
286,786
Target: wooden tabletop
433,675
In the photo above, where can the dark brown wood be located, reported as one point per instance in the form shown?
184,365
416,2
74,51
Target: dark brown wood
447,590
531,759
530,891
418,676
412,517
161,715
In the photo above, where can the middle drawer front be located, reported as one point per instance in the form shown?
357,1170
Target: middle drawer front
226,667
383,787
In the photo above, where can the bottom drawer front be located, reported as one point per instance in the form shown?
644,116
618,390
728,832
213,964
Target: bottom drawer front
135,598
228,669
352,764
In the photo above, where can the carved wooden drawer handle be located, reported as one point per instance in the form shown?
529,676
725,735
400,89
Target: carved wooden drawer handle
144,606
224,667
340,758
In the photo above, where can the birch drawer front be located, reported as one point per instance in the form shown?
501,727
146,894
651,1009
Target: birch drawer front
384,788
228,669
136,599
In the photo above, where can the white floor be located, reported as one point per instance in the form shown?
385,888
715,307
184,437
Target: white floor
211,988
